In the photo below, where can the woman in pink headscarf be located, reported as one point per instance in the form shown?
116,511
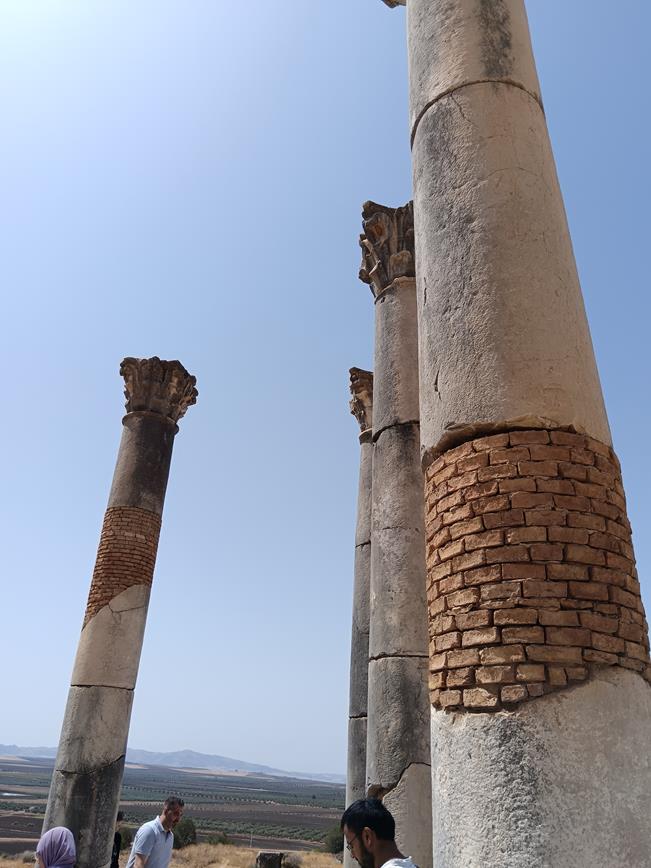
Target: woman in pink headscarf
56,849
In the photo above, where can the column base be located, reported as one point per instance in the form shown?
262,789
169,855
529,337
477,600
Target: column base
86,803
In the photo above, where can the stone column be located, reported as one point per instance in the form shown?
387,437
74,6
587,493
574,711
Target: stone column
85,788
361,406
541,732
398,753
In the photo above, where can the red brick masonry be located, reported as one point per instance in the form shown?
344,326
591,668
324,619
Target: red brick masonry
531,572
126,555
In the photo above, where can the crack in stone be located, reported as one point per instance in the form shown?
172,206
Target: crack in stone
92,769
377,791
362,544
461,111
385,655
128,609
457,433
357,716
109,686
458,87
379,431
436,385
400,527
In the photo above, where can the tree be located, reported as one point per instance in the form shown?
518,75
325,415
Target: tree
334,840
185,833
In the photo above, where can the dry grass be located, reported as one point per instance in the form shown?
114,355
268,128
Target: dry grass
216,856
225,856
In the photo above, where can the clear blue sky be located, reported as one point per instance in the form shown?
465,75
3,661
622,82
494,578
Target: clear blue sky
185,179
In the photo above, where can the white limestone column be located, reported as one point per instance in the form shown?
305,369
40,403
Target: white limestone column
361,406
541,706
85,788
398,753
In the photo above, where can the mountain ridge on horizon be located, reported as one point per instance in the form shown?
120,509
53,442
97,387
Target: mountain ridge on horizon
184,759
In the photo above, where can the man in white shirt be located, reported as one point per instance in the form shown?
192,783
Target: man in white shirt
370,832
152,845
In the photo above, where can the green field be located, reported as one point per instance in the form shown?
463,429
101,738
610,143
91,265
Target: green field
266,810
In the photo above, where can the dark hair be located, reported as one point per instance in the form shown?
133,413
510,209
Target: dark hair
369,813
173,802
120,816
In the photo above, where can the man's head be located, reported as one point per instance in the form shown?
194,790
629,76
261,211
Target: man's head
172,812
119,818
368,829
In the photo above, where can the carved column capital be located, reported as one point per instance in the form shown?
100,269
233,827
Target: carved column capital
387,245
361,403
158,386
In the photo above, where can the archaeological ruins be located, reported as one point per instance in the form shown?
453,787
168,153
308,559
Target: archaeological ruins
500,681
85,789
540,703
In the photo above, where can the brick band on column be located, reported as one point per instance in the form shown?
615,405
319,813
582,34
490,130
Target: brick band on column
126,555
531,572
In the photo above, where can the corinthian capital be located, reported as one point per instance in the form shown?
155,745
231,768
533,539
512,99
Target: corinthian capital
361,403
387,245
158,386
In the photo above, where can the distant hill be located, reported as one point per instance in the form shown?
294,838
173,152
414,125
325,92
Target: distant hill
187,759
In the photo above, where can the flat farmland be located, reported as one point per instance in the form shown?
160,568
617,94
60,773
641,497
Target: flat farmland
254,810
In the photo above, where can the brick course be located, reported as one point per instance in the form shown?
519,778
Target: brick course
531,573
126,555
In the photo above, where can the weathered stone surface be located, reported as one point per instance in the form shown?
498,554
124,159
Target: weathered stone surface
456,44
396,356
398,480
482,166
361,402
398,550
398,586
86,804
387,245
158,386
360,632
364,493
356,767
411,805
94,729
519,789
143,464
118,625
398,711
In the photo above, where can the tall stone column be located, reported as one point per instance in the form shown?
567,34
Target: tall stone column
398,752
361,406
85,788
541,724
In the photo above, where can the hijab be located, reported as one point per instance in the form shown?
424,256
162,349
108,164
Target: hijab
57,848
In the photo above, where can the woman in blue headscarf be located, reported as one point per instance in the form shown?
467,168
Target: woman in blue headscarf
56,849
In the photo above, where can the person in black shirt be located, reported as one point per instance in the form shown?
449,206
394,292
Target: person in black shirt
117,841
